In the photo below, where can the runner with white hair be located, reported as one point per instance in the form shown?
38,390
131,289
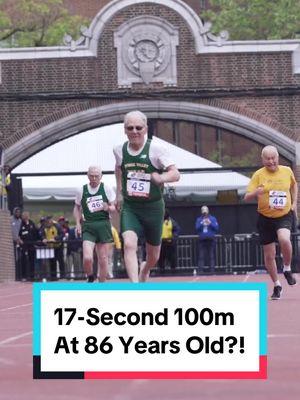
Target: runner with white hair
93,203
142,168
275,188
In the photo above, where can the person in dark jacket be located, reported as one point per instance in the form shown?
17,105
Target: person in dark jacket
28,235
207,227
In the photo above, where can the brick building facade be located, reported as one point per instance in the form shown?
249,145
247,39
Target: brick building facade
158,57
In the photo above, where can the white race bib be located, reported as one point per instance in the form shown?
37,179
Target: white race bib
277,199
95,203
138,184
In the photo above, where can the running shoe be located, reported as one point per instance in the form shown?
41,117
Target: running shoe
276,293
290,278
90,279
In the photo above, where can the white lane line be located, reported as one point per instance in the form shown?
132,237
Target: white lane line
246,278
4,288
17,345
13,338
15,294
18,313
283,335
13,308
6,362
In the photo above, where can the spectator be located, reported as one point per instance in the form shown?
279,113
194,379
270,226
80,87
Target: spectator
28,235
52,235
5,185
206,226
170,233
15,229
10,190
63,222
74,252
16,221
41,228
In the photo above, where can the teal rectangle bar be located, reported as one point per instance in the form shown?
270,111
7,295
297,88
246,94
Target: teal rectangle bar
238,286
36,320
152,286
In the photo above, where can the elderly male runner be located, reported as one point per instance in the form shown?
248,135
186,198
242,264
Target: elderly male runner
142,168
93,202
276,190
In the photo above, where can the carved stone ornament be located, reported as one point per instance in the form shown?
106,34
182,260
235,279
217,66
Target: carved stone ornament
146,51
83,40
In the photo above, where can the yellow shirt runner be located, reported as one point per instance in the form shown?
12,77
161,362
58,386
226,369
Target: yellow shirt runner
276,198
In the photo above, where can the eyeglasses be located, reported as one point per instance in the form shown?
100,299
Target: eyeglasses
94,176
137,128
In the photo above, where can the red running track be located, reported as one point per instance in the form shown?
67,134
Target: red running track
283,381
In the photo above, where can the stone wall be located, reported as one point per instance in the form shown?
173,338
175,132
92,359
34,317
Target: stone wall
7,263
34,89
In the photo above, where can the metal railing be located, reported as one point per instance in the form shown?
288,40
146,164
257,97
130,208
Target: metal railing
238,253
233,254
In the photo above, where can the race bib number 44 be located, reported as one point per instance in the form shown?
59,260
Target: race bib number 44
138,184
277,199
95,203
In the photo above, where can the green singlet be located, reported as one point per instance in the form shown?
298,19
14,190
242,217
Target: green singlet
96,227
143,207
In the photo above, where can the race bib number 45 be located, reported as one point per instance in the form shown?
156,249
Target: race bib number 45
138,184
95,203
277,199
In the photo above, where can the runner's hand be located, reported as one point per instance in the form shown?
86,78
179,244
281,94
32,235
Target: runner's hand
157,179
78,230
260,190
119,202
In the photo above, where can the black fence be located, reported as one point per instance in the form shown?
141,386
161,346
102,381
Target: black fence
237,254
240,253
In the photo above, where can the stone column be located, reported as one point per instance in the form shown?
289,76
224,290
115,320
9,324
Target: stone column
7,260
297,172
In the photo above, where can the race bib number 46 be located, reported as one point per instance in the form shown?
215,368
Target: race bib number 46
138,184
277,199
95,203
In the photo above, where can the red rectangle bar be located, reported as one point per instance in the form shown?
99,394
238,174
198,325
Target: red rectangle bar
261,374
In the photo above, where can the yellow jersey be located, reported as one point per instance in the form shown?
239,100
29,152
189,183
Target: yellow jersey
276,199
167,229
117,241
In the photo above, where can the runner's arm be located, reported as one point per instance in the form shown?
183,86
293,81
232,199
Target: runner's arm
170,175
118,173
77,212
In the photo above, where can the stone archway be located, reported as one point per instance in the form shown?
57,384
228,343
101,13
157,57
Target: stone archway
176,110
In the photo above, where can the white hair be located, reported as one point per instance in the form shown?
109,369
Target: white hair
94,168
269,149
136,113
